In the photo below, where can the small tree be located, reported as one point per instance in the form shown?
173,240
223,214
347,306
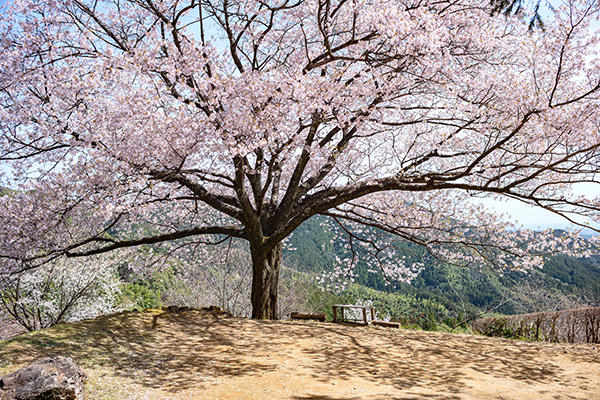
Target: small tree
223,280
131,122
532,294
226,281
63,290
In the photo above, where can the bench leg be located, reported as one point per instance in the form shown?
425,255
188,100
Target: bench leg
334,314
365,315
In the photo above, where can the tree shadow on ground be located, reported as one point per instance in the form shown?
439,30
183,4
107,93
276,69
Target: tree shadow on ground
179,351
159,350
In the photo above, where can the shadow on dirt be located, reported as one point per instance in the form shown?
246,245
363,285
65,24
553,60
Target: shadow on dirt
178,351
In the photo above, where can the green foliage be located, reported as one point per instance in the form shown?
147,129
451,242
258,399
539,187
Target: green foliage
311,247
321,301
140,295
442,295
448,293
501,328
141,292
575,273
408,309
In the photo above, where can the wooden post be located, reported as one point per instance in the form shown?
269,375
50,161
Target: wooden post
387,324
334,313
372,314
365,315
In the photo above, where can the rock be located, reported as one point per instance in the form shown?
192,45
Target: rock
178,309
218,311
212,309
56,378
172,309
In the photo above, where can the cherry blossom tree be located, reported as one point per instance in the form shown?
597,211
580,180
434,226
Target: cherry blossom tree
178,122
61,290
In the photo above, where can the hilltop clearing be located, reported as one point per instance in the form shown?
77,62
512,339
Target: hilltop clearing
196,355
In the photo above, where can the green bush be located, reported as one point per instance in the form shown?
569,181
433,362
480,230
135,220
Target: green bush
140,295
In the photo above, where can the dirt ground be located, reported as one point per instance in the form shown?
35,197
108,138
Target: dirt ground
194,355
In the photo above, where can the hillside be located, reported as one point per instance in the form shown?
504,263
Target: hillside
446,291
195,355
441,294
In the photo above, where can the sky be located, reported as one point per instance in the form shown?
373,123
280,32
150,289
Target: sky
534,217
525,215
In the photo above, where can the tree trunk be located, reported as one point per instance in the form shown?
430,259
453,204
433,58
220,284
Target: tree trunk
265,281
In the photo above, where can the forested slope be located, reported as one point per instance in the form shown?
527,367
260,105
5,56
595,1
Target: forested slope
451,291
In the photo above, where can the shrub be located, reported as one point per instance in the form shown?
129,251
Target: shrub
140,295
571,326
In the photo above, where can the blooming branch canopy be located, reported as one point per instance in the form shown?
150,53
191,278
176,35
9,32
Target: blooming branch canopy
130,122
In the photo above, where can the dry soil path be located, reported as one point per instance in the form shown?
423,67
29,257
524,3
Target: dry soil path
193,355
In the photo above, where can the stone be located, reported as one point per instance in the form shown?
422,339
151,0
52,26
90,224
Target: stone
57,378
218,311
173,309
178,309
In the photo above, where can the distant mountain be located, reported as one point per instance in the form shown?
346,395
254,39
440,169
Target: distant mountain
447,290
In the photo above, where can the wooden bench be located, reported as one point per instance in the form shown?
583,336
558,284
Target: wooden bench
302,316
342,307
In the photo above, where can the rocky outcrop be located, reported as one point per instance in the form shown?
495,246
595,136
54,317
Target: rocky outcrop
56,378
